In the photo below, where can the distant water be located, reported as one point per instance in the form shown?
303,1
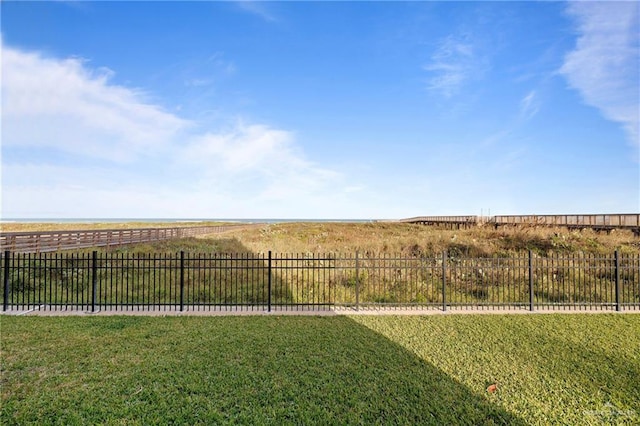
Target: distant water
172,220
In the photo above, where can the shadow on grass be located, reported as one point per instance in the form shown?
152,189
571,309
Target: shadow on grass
221,272
241,370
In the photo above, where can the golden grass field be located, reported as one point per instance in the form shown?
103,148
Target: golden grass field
385,237
70,226
410,239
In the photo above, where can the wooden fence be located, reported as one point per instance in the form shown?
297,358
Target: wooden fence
599,222
577,220
447,221
40,242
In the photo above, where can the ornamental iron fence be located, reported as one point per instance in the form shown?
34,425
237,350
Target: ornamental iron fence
182,281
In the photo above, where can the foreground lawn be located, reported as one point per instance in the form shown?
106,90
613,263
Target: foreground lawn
560,369
322,370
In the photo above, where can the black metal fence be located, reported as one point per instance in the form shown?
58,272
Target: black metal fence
263,281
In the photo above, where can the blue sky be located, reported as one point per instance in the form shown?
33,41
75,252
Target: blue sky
319,109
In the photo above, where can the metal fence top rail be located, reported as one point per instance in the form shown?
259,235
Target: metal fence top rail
124,281
324,256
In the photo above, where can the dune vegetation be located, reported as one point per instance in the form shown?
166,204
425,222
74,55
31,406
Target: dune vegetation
404,239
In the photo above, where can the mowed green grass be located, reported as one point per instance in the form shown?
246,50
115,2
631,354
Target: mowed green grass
563,369
549,369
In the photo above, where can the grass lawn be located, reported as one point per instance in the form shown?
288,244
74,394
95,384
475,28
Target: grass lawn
563,369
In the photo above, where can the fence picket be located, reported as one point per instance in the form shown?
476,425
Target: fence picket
248,281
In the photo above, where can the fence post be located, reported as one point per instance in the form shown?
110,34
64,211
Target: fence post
444,280
357,283
5,301
617,263
94,279
269,283
181,281
530,281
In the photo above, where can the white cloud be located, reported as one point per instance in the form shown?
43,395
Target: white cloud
257,8
198,82
259,154
354,188
61,104
75,145
454,63
605,64
246,147
221,64
529,105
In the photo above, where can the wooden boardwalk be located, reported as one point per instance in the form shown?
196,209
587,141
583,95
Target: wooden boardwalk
598,222
451,222
40,242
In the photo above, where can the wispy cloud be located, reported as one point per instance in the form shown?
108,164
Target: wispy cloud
221,64
257,8
605,64
62,104
529,105
208,71
198,82
70,135
245,147
454,62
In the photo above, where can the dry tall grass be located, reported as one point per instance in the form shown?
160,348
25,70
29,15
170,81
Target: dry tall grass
389,237
69,226
423,240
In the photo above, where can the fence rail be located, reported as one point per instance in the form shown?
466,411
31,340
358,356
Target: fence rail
577,220
607,222
40,242
260,281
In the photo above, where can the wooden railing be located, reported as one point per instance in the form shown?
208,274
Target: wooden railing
40,242
630,221
443,219
585,220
